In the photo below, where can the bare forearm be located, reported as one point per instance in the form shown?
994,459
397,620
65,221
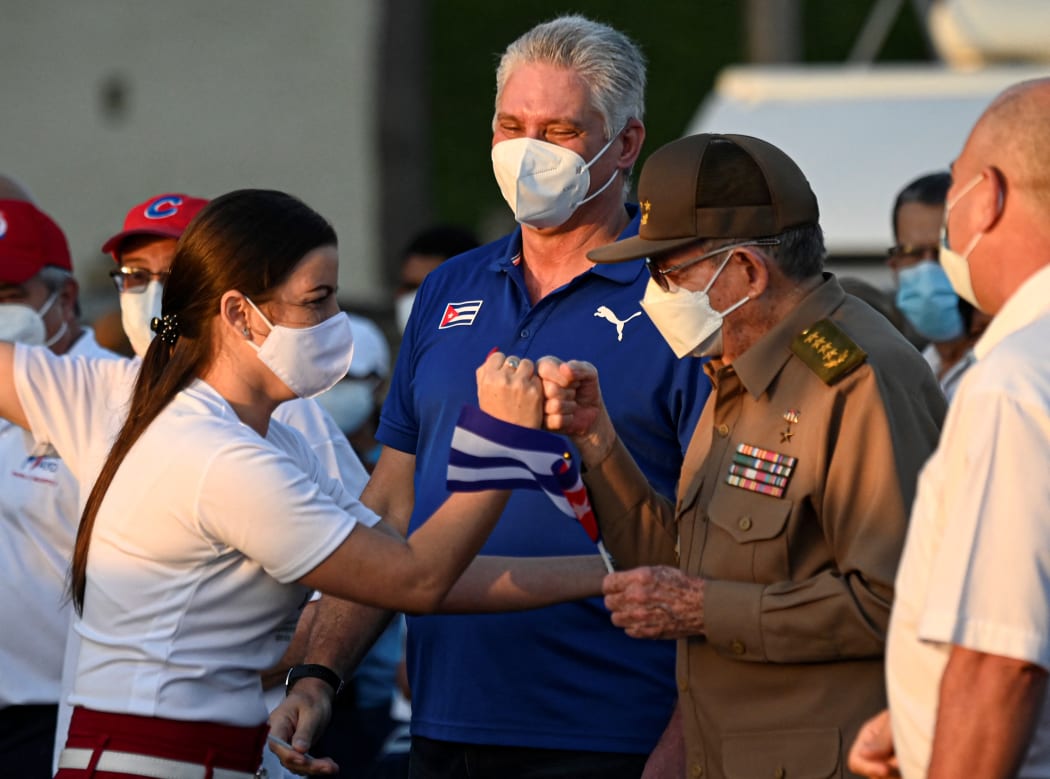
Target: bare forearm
987,712
517,583
342,632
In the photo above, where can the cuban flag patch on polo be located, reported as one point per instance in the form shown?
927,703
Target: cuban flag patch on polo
460,314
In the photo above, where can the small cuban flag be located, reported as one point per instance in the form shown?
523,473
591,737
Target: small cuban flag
490,454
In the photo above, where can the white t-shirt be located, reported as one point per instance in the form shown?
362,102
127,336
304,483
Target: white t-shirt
79,405
201,532
39,512
976,568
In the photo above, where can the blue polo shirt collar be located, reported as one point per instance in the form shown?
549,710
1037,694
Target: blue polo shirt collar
620,272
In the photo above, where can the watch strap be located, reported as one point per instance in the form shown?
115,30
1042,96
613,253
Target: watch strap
312,670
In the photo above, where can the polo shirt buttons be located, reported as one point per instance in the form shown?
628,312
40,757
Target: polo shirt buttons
697,770
780,773
744,523
738,647
723,430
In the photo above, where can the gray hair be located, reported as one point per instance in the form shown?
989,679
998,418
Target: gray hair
610,64
53,277
799,254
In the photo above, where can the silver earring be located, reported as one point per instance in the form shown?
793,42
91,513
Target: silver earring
246,332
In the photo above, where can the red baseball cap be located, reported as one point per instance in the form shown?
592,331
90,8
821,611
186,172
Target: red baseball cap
165,216
29,242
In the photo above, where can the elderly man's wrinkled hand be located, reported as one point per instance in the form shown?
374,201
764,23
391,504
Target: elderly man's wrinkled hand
656,602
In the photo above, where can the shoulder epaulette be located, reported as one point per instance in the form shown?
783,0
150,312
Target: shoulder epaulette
828,351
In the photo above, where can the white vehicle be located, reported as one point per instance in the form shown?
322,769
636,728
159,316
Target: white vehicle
862,131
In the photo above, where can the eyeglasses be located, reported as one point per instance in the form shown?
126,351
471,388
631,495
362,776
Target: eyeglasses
660,274
135,280
911,253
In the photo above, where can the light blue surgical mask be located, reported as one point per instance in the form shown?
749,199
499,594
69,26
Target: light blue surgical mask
925,296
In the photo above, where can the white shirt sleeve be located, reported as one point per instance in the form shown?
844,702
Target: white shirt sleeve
326,439
75,403
277,507
990,577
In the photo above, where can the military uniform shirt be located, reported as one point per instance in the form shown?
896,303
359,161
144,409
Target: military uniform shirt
792,505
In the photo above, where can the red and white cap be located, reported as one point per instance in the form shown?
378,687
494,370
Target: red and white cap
165,216
29,242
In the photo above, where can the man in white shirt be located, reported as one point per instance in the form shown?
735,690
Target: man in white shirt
969,642
39,503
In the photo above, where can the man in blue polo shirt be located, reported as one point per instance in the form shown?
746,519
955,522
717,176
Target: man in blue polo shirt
557,689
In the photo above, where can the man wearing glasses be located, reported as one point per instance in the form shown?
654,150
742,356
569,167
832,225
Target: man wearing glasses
774,568
39,495
143,251
924,294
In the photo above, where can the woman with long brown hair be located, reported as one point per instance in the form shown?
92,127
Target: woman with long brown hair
209,522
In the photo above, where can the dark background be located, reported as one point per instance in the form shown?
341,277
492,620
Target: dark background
685,42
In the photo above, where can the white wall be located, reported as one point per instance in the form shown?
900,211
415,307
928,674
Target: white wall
219,95
859,133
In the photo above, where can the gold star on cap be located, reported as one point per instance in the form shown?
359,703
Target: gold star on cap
646,207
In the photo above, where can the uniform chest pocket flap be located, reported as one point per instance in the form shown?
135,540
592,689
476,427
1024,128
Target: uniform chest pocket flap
748,516
786,754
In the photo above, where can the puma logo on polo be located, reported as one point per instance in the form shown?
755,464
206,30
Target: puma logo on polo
607,314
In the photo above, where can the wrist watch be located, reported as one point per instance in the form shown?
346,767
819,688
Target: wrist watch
322,672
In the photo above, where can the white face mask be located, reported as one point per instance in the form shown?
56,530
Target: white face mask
686,319
310,360
957,266
402,308
544,183
23,324
137,310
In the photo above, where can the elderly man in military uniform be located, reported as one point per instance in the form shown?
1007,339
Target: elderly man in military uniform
775,567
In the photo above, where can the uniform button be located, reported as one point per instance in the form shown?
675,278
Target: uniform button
744,523
723,430
525,333
780,773
738,647
697,770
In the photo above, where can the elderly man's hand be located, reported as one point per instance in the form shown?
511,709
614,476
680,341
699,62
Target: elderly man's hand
656,602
